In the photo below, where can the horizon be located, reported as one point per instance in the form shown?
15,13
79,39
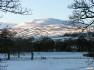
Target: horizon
40,10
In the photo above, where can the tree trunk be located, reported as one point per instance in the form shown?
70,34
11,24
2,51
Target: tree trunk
32,55
8,56
18,54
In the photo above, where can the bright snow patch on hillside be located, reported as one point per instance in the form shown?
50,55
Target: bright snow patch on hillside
45,27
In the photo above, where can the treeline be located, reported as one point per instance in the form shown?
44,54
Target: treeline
77,34
11,44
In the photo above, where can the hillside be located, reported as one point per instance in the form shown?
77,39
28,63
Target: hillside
45,27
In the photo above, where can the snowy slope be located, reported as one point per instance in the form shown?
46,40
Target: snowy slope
6,25
46,27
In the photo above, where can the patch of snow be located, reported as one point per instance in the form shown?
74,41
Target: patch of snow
50,64
46,27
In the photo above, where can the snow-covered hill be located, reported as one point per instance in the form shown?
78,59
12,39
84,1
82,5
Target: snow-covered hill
6,25
45,27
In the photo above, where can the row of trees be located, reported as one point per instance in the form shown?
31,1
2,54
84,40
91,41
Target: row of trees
90,34
11,44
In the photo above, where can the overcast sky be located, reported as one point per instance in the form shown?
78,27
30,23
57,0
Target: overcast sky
41,9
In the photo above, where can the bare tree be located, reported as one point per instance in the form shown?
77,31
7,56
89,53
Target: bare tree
13,6
83,13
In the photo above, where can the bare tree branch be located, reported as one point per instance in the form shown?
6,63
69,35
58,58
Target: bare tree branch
13,6
83,10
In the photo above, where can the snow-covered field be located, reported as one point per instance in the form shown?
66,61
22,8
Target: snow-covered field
52,61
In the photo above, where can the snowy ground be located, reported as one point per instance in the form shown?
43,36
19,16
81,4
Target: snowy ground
52,61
